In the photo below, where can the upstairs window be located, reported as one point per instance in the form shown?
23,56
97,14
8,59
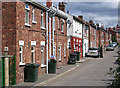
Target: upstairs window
42,19
53,23
27,13
62,25
33,14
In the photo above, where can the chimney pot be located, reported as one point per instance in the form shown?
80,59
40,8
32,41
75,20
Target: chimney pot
81,17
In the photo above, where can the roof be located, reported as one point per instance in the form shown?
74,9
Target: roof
78,19
37,4
54,10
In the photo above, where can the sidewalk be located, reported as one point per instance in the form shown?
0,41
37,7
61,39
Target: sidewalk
48,77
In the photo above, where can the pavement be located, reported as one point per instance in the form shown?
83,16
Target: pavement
49,77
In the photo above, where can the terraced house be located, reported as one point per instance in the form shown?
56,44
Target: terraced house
32,33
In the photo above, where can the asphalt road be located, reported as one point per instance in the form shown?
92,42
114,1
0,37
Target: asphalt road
91,73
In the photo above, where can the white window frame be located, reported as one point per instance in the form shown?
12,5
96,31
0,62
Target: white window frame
42,59
74,45
64,50
59,52
33,51
21,54
54,51
33,16
42,20
27,15
54,23
62,25
79,48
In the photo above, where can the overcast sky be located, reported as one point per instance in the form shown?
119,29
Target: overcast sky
104,12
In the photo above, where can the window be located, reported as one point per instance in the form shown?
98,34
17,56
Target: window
21,54
33,15
54,52
33,54
64,50
79,47
42,19
60,53
27,12
58,22
62,25
42,55
53,23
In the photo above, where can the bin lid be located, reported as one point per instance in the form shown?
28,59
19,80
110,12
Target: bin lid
32,65
78,52
73,54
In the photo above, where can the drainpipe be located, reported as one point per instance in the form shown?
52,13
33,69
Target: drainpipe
53,34
82,39
47,41
49,36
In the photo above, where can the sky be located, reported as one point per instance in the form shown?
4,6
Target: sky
104,12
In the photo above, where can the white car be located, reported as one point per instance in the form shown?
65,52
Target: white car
110,47
114,44
93,51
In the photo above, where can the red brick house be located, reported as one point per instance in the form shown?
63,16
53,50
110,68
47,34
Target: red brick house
24,31
92,34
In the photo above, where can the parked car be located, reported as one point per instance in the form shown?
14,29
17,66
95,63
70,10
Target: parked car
114,44
93,51
110,47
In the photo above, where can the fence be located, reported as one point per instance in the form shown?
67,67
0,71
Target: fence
8,71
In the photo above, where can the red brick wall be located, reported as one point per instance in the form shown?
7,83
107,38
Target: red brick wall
9,27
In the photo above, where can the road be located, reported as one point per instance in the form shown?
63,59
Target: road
91,73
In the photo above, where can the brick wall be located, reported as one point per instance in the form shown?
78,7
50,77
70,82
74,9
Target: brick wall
14,30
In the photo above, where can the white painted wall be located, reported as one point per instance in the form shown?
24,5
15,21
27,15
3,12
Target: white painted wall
77,29
85,46
85,40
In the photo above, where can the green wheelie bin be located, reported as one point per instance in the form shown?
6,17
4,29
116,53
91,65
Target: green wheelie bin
78,55
52,66
31,72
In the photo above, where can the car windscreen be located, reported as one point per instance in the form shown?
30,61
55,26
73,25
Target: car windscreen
93,48
110,45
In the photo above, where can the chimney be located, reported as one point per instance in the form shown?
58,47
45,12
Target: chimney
91,22
68,12
97,25
62,6
81,17
49,3
117,26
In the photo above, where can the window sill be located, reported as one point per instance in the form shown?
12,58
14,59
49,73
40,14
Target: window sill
21,64
59,60
28,25
43,28
62,32
34,22
64,56
43,66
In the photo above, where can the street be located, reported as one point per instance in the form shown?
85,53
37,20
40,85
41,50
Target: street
91,73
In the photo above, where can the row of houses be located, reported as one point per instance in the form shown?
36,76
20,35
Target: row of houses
33,33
